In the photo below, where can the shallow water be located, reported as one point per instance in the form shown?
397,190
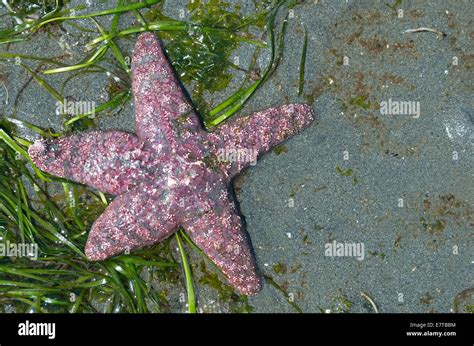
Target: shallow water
399,185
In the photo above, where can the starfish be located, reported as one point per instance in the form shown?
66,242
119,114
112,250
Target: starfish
171,173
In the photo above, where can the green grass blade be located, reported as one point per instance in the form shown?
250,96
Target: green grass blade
44,84
95,57
115,49
237,101
303,62
118,9
29,57
188,275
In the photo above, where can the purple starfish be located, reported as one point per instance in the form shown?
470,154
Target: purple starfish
171,173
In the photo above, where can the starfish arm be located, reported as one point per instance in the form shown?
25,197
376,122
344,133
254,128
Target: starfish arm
133,220
108,161
241,140
220,234
159,97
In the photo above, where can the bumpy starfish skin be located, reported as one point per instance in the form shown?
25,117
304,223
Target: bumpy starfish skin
169,174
